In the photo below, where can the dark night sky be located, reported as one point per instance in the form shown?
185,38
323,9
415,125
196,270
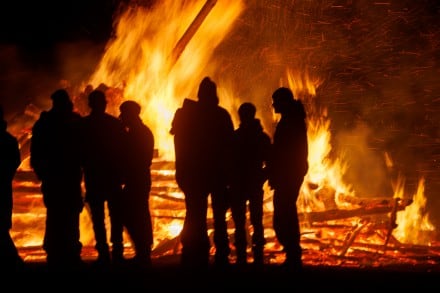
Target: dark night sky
33,23
31,33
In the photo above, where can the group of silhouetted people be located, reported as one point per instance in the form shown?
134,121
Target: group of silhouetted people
231,166
215,164
113,156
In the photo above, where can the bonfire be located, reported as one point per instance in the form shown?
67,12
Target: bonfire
157,57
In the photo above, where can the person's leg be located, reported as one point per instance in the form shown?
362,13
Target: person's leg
97,211
116,212
221,238
68,234
194,235
139,228
286,226
238,210
256,218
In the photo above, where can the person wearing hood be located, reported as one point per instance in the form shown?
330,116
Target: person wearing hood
287,166
103,140
137,177
55,159
203,133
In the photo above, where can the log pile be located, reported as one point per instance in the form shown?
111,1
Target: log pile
361,234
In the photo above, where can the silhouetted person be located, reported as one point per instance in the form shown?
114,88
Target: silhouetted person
136,192
287,167
103,136
10,160
54,157
251,147
202,138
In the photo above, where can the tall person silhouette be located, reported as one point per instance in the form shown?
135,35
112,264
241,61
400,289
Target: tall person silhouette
287,166
55,159
102,149
136,191
203,140
10,160
251,149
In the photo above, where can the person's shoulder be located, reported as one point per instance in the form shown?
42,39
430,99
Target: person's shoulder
76,117
112,119
222,111
189,107
8,137
188,112
189,103
44,115
147,130
43,118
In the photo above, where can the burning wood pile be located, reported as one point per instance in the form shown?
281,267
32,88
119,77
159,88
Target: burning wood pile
338,228
358,236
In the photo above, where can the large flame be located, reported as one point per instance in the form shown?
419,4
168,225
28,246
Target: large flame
324,182
413,224
325,173
141,58
144,62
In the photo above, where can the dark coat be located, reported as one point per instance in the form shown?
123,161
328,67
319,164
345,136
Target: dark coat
55,157
251,148
103,140
202,137
288,160
9,162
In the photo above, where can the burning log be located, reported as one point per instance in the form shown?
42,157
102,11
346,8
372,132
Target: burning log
351,238
382,208
167,245
25,176
190,31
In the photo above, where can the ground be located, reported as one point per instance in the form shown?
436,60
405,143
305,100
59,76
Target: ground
167,275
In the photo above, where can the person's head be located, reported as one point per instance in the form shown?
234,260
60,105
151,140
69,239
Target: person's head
61,101
97,101
282,100
207,93
130,111
247,112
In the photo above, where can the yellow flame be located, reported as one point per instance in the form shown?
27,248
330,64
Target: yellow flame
323,182
138,60
413,224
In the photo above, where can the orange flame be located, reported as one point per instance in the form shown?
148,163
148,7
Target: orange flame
138,60
324,175
413,224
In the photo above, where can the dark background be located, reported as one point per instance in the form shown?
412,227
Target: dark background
40,39
43,23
